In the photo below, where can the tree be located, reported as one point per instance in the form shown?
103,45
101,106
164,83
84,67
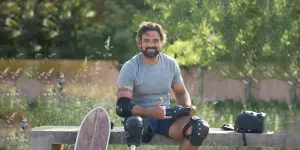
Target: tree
241,38
66,29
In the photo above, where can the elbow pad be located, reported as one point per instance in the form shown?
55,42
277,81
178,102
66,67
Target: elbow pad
124,107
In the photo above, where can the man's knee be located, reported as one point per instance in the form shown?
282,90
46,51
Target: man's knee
200,130
137,130
133,127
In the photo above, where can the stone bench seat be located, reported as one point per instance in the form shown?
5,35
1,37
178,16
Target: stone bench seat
47,137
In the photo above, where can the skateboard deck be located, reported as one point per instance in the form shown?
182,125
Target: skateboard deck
94,131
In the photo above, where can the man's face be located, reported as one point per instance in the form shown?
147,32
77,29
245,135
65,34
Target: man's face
150,44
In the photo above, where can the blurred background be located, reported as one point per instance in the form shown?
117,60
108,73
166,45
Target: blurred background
62,57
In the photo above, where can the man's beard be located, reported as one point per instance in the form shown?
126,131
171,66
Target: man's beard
149,54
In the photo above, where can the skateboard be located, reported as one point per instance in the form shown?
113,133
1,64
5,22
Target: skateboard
94,131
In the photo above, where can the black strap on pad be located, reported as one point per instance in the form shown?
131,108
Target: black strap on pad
244,138
200,130
178,111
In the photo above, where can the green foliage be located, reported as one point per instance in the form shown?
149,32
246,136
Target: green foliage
44,113
11,100
238,37
51,108
71,111
97,29
15,140
241,38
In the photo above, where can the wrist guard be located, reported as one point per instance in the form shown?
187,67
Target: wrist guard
178,111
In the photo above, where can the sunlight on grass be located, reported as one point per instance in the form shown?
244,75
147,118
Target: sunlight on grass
70,110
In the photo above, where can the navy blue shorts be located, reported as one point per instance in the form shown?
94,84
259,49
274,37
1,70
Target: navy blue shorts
159,126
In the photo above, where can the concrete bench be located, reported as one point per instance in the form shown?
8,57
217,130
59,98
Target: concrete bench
49,137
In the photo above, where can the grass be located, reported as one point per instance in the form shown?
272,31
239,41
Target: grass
52,109
70,110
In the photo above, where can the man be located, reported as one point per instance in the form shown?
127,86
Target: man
143,95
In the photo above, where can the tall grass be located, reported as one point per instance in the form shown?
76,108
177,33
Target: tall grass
55,107
70,110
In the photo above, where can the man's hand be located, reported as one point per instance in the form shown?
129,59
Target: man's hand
158,112
193,110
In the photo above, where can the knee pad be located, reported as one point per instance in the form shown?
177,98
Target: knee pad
133,127
200,130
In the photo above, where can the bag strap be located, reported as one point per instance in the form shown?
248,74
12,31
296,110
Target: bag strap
244,137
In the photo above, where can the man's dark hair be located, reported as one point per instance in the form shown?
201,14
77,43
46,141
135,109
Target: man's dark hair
151,26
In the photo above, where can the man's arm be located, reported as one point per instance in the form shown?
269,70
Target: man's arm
125,93
125,107
181,94
179,89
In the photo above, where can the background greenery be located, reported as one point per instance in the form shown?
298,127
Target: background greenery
249,38
71,110
243,39
251,35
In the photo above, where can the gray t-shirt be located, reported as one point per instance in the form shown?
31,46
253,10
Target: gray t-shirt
150,81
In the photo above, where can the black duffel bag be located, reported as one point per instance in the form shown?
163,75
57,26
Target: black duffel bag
249,122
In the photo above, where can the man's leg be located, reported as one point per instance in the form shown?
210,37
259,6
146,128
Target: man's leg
178,126
133,127
139,130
